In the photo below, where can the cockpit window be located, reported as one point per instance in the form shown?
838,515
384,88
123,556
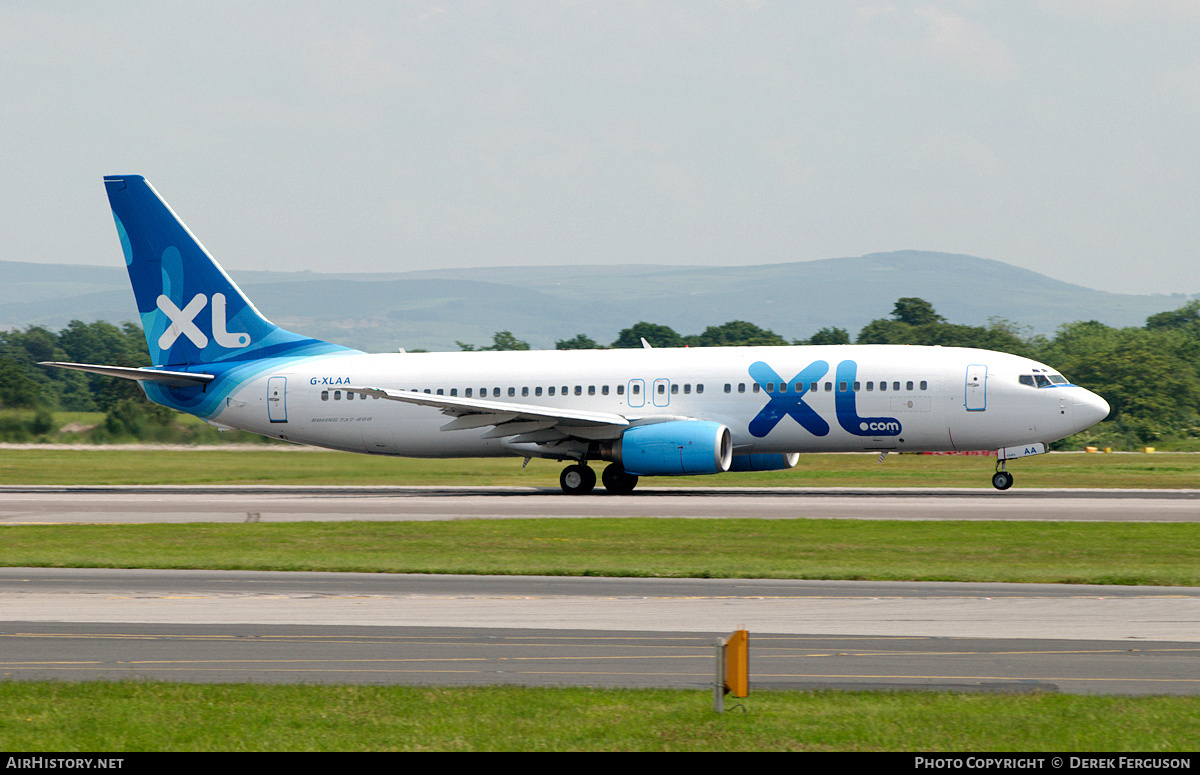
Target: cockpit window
1043,380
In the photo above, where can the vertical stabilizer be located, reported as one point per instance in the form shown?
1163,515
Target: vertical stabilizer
191,311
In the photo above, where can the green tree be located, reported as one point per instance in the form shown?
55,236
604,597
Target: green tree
1149,376
999,334
829,335
915,312
656,335
578,342
736,333
16,388
501,340
1186,317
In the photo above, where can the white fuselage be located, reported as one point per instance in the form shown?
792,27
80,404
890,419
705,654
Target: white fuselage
865,397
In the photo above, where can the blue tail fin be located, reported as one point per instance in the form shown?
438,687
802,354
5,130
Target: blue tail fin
191,311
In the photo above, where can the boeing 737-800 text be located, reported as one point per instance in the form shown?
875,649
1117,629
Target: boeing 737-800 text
648,412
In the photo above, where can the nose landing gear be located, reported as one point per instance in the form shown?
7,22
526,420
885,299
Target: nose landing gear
1002,479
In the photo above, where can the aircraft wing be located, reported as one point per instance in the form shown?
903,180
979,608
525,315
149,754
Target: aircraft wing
172,378
528,422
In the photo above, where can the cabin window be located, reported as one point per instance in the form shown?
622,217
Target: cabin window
770,387
337,395
637,388
741,387
883,386
674,389
550,390
512,392
828,386
591,390
467,392
909,386
604,390
700,388
842,387
857,386
620,390
324,395
453,392
496,392
728,387
687,388
924,385
537,391
755,387
895,386
870,386
579,390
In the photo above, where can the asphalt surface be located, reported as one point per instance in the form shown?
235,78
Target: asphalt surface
77,624
120,504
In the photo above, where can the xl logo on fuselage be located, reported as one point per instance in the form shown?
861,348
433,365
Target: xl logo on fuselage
787,400
183,323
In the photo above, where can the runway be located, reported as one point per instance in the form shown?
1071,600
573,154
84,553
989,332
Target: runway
123,504
391,628
398,628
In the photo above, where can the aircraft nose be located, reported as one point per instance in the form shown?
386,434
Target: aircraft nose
1089,408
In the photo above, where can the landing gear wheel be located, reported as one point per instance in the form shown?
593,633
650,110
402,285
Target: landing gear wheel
616,481
1002,480
577,480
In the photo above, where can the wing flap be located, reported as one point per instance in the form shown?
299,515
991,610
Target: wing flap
509,418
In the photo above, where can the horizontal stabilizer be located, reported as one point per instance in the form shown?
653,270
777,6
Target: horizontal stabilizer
171,378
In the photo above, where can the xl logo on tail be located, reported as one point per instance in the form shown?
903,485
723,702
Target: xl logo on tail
183,323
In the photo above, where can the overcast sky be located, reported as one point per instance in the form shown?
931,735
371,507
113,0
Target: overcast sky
1059,136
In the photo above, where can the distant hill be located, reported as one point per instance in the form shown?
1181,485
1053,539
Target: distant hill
434,308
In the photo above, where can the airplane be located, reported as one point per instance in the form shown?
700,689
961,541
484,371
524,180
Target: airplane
645,412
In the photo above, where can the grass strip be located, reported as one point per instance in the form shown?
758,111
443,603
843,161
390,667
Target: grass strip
295,465
1048,552
150,716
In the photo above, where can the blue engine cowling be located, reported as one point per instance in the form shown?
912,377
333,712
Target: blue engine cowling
764,462
676,448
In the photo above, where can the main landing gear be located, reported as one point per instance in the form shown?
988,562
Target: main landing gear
579,479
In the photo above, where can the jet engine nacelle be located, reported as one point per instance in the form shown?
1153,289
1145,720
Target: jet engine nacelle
764,462
676,448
